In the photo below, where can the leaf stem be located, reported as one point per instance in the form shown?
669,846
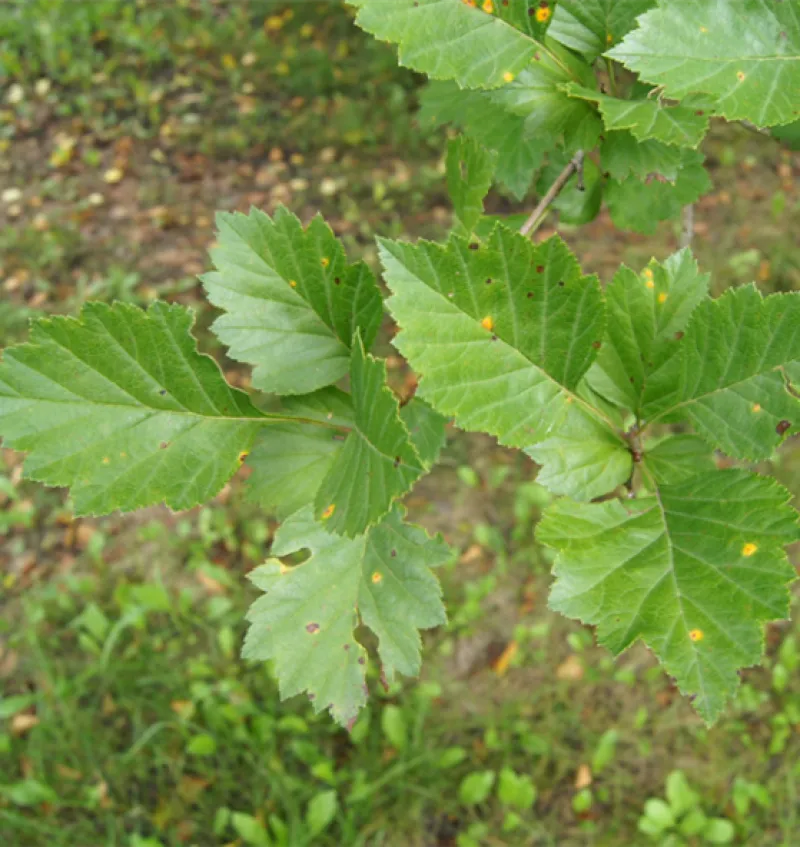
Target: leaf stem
688,226
538,215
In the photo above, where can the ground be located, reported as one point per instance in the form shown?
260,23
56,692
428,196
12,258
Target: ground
127,717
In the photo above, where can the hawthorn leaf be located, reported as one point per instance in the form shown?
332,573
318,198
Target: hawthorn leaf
469,171
448,39
378,462
426,428
306,619
694,571
732,386
289,461
480,116
501,336
640,206
621,156
746,55
579,201
292,302
646,315
118,405
678,457
592,26
533,17
648,118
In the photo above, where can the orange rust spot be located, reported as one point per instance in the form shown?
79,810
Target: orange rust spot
662,298
543,14
609,38
329,511
749,549
740,75
488,7
756,407
243,455
293,283
696,634
324,261
488,323
377,577
508,76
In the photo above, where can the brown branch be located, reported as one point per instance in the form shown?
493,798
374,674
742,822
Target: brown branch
687,234
538,214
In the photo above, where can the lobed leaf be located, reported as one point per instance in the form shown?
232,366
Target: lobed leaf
378,462
119,405
306,619
448,39
745,54
694,571
731,383
469,172
592,26
292,302
501,336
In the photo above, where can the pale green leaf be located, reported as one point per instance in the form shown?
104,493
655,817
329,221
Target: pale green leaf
693,571
732,386
646,316
469,172
648,118
501,336
378,462
119,405
745,54
448,39
592,26
306,619
678,457
639,206
292,302
479,115
289,461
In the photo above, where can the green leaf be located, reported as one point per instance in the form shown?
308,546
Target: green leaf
532,17
621,156
321,811
647,314
591,26
648,118
789,134
306,619
515,789
719,831
28,792
693,571
575,205
680,794
731,384
746,55
426,428
393,724
378,462
469,177
475,787
119,405
639,206
479,115
501,337
447,39
679,457
292,301
250,829
289,461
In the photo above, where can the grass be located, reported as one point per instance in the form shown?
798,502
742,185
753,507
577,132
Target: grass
126,716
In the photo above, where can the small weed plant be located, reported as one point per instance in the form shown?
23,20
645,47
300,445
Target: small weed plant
626,395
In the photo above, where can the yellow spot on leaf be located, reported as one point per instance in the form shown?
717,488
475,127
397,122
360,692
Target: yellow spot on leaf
609,38
749,549
324,261
662,298
696,634
543,14
106,460
329,511
703,29
488,7
283,568
123,455
740,75
648,278
293,283
508,76
377,577
756,407
243,455
488,323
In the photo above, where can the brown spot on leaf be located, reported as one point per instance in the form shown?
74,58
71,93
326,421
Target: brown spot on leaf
361,660
782,427
597,345
312,628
